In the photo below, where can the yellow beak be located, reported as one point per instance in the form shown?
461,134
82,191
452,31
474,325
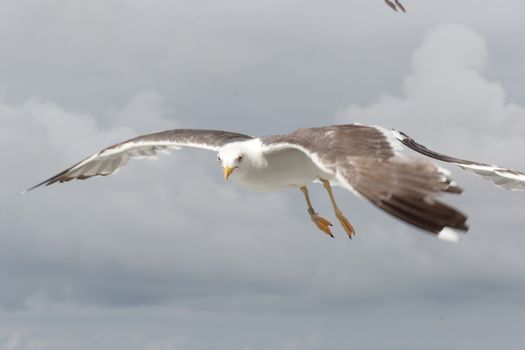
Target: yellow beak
227,172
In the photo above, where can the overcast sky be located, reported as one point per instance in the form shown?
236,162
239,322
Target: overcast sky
166,256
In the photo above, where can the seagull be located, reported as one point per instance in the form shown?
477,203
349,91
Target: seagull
366,160
395,5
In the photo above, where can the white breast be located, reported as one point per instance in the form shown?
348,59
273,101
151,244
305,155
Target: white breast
281,170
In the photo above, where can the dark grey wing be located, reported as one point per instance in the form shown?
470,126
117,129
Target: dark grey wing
365,160
395,5
391,4
112,158
406,188
400,5
505,178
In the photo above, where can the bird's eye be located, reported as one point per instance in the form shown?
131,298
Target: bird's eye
219,159
239,158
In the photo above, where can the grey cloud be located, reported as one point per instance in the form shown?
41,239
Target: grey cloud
229,64
165,254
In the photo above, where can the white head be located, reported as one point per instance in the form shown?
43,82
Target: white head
230,159
241,157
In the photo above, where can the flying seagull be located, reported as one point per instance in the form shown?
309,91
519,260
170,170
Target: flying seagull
365,160
395,5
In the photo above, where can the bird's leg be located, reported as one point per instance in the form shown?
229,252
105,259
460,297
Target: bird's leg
342,219
320,222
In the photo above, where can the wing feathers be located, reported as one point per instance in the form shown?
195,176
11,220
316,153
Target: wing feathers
432,216
405,188
395,5
362,158
505,178
111,159
365,161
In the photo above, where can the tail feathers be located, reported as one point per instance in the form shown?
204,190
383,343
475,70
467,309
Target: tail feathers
426,213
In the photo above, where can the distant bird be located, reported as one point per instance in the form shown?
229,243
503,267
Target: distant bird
395,5
365,160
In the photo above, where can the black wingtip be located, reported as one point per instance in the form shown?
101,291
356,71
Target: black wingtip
24,192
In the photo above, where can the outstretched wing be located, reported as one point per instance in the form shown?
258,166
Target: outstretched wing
364,160
391,4
505,178
395,5
112,158
400,6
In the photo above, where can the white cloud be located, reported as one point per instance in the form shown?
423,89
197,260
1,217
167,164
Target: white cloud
13,341
24,340
42,138
145,111
448,104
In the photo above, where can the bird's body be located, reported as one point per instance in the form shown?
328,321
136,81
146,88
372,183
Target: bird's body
272,171
365,160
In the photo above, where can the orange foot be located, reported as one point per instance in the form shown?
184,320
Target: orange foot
345,223
321,223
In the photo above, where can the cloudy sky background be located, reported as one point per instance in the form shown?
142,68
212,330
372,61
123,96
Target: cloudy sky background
165,255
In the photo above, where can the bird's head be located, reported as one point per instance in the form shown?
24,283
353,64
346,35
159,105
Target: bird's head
230,159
